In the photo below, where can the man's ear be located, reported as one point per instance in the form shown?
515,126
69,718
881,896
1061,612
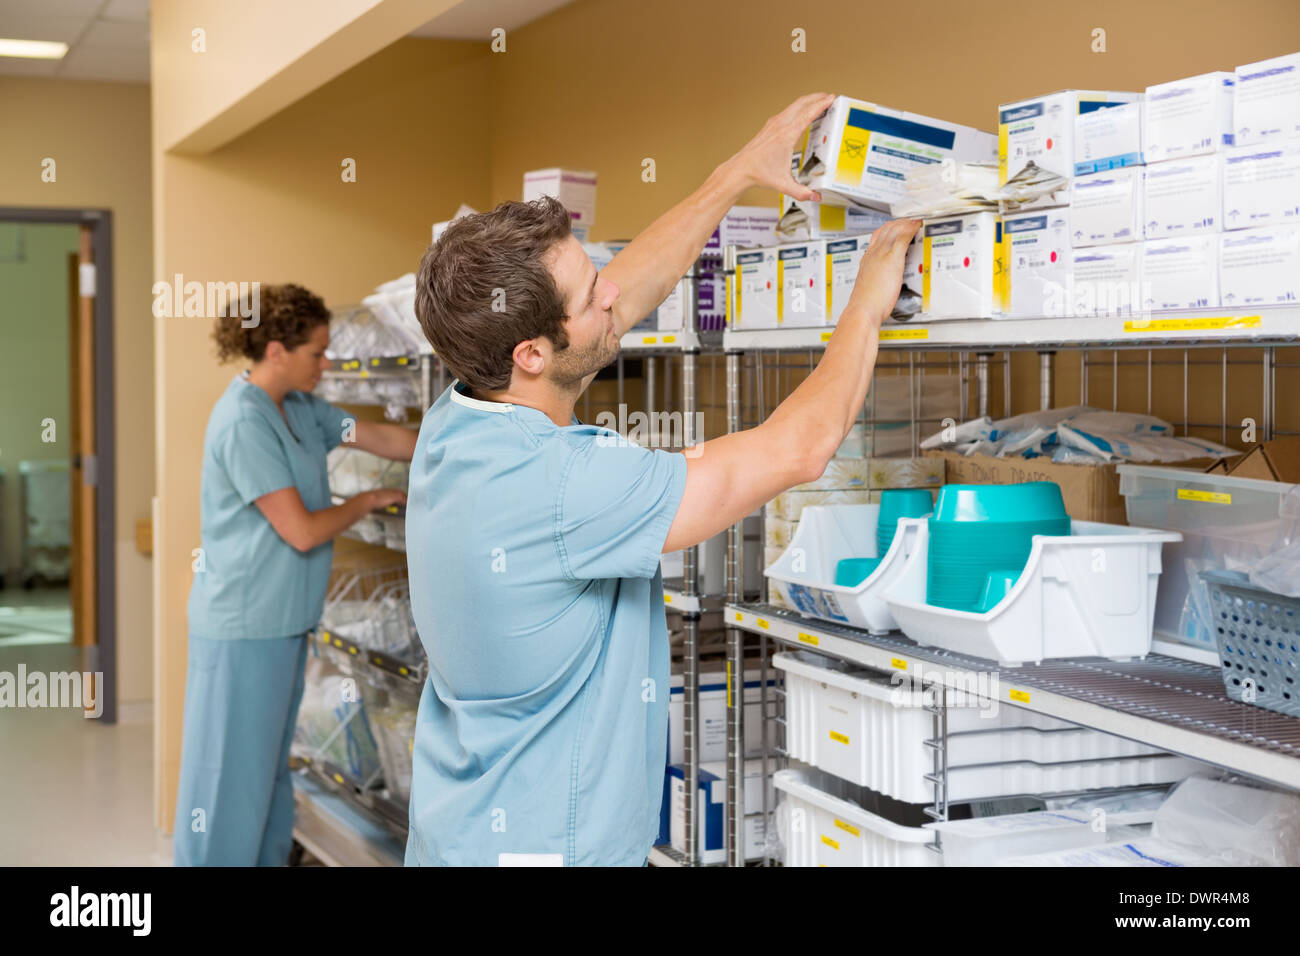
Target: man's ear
531,355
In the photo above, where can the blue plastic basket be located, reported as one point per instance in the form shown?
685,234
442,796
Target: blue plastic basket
1258,634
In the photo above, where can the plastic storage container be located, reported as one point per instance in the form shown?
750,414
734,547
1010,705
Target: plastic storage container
872,732
1225,523
804,576
1087,594
822,829
1258,638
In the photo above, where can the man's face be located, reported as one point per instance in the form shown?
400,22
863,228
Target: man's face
589,302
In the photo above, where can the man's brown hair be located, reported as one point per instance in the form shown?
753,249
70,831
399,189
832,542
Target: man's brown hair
483,288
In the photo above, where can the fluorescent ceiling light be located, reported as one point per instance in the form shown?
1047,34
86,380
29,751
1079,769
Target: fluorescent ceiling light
34,49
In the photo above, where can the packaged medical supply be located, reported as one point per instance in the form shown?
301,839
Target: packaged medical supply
1109,138
1261,184
858,153
1188,117
815,220
1267,104
746,227
1040,130
1105,280
1106,207
793,293
712,809
1181,197
948,189
963,267
1037,250
1260,266
843,260
575,190
1181,273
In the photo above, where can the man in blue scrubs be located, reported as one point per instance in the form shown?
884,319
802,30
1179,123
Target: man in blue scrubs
534,540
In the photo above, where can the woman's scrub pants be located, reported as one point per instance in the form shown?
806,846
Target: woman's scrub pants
234,805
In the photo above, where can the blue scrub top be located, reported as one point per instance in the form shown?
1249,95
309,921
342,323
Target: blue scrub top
251,582
534,564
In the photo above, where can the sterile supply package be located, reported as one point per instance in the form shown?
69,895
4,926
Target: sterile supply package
576,191
948,189
332,724
1267,106
1261,185
1145,851
1040,130
982,841
843,260
1279,570
1182,197
1260,266
1106,207
352,471
461,212
859,153
393,724
1037,249
1188,117
1181,273
1106,280
746,227
1109,138
1231,821
393,303
963,263
780,287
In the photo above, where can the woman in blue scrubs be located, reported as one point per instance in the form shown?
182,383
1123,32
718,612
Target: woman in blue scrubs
260,577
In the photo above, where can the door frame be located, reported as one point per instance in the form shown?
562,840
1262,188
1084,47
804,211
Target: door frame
103,656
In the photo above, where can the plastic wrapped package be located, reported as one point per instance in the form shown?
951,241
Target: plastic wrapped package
1279,570
353,471
393,721
332,724
1232,822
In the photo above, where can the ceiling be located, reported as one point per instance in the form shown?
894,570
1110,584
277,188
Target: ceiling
108,40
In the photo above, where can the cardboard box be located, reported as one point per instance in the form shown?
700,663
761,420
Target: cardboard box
1109,138
858,153
1188,117
1260,266
1037,249
711,718
1041,130
1276,460
1105,280
1106,207
746,227
576,191
1182,197
712,808
1180,273
843,260
963,267
1267,106
1261,185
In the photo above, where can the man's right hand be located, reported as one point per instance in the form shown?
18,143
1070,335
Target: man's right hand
880,276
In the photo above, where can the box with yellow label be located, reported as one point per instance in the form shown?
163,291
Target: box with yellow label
963,273
859,153
780,287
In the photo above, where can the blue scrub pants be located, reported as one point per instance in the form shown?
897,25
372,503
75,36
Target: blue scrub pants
234,805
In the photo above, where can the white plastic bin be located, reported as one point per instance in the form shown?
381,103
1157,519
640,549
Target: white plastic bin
872,732
1090,593
804,576
821,829
1225,523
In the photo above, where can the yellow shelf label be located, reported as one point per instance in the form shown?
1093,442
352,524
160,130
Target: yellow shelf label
839,738
403,360
669,338
325,636
887,335
374,361
403,671
829,842
365,373
1020,696
740,617
809,639
848,828
1207,324
762,623
338,778
898,663
826,336
1213,497
668,599
337,642
352,650
728,684
649,339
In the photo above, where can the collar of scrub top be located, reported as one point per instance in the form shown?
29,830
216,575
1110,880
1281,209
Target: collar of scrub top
501,408
244,376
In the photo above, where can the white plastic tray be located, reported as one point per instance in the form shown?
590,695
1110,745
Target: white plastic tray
804,575
822,830
1087,594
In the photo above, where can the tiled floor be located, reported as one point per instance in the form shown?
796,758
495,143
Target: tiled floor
73,791
38,616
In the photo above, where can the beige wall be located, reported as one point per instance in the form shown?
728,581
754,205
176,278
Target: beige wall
600,84
98,135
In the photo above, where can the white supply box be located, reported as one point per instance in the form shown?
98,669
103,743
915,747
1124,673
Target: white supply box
858,153
843,260
670,316
781,287
1106,207
1188,117
1182,197
963,267
1261,185
747,227
575,190
1041,130
815,220
1268,100
1106,280
1109,138
712,807
1260,266
1181,273
752,300
1038,262
711,720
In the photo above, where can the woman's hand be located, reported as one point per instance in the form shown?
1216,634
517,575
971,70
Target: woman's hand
381,498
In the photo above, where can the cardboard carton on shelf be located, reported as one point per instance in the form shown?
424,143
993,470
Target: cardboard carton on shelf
1276,460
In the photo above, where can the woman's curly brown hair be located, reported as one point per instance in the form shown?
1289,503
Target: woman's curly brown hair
286,313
